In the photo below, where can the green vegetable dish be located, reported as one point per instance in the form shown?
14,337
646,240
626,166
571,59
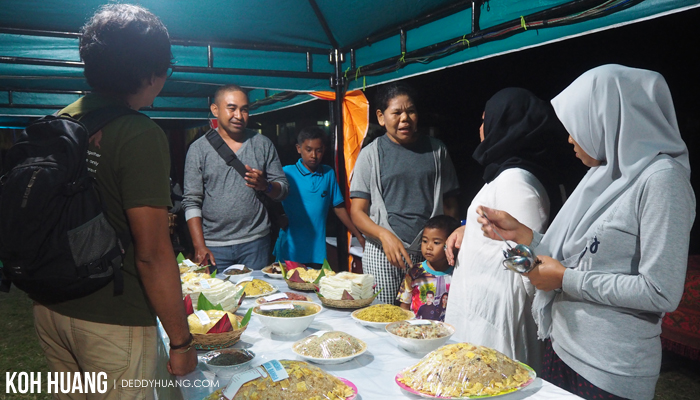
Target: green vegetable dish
296,312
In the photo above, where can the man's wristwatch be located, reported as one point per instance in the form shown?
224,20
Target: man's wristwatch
268,189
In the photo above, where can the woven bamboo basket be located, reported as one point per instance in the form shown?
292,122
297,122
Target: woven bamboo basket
304,287
347,304
215,341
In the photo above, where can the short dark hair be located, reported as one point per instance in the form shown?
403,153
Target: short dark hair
311,133
122,45
228,88
391,90
444,222
429,292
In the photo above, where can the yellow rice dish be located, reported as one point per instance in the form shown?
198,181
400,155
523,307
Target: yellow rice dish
383,313
465,370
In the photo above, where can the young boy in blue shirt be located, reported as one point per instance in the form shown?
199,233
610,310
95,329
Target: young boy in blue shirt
426,285
313,189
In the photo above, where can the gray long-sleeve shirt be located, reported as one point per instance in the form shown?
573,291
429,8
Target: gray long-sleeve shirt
230,211
606,321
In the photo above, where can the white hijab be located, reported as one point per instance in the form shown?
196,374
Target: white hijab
625,118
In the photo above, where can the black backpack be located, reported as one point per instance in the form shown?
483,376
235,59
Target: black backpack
55,242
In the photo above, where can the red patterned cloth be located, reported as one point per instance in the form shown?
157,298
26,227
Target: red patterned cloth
681,328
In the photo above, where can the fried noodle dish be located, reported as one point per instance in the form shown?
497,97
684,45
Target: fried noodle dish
465,370
305,382
334,344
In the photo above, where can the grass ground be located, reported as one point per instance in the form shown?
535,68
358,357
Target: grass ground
20,351
19,346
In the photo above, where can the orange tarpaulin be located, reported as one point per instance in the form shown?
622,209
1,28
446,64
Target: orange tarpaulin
355,124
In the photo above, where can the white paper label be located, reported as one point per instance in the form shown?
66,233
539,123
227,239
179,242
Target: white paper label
419,321
276,371
237,266
240,379
189,263
246,279
204,284
277,296
203,317
319,333
282,306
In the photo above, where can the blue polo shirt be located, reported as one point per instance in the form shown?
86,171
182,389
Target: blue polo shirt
310,196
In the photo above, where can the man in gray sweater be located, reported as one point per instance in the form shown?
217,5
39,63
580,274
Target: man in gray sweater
227,221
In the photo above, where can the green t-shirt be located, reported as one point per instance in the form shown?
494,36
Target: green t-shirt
130,159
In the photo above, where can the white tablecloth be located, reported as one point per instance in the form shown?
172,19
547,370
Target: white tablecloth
373,372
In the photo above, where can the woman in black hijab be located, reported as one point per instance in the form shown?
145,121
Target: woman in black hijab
521,150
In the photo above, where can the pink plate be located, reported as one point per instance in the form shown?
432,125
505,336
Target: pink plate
352,386
403,386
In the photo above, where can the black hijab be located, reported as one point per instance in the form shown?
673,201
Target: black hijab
522,131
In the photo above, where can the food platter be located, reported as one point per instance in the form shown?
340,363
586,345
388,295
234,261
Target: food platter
351,386
267,271
377,325
275,289
259,299
273,276
338,360
269,274
403,386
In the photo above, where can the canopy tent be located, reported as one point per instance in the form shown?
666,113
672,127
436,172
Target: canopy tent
283,50
280,48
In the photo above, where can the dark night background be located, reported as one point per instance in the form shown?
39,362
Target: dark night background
452,100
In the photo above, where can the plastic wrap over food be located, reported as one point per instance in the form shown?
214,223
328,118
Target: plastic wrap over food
305,382
326,345
465,370
419,329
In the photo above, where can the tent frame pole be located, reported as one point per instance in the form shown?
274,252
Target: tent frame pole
338,83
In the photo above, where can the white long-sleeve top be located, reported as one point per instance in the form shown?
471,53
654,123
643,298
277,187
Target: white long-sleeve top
490,305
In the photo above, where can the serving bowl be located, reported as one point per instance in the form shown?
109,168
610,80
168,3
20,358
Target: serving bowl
235,273
296,348
286,325
262,300
419,345
226,371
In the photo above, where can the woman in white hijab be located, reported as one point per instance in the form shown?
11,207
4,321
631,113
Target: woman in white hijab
613,261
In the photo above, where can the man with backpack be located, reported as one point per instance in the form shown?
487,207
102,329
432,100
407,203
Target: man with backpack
126,51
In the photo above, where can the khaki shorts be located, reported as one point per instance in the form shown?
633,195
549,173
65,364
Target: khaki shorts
124,353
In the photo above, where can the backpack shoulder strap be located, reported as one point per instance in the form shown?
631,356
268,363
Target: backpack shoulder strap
97,119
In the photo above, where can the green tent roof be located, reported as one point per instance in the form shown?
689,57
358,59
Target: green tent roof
282,47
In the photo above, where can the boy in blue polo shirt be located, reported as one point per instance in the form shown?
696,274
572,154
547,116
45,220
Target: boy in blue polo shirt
313,189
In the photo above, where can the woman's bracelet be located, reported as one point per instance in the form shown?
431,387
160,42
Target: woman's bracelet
187,344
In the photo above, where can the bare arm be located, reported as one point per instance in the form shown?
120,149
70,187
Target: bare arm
451,207
157,267
344,217
393,247
202,254
453,243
